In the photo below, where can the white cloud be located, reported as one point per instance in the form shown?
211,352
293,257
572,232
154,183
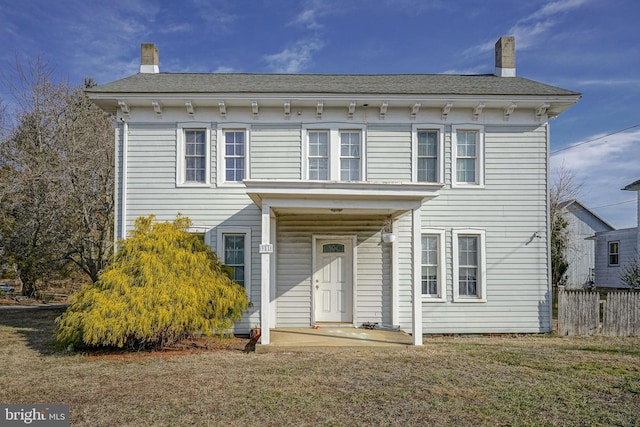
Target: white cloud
607,82
225,69
294,59
308,18
528,30
556,7
604,167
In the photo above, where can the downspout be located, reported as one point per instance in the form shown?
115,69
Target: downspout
548,230
125,149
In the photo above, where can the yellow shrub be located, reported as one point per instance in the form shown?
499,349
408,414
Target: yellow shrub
164,285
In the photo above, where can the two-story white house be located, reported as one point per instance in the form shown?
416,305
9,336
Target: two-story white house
412,200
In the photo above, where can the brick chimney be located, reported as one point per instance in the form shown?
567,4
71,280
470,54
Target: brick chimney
506,57
149,58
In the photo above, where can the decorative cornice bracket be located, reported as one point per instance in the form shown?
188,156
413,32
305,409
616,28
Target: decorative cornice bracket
157,108
542,110
446,110
383,110
190,110
124,107
509,110
287,110
477,111
352,110
415,109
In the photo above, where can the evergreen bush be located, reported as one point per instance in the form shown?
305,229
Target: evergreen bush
164,285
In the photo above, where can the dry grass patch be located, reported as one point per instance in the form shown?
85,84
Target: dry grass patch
530,380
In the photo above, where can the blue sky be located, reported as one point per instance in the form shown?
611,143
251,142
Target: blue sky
589,46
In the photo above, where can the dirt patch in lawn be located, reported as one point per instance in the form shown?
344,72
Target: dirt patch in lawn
182,348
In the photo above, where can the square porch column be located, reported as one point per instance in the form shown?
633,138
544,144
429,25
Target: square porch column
266,250
416,289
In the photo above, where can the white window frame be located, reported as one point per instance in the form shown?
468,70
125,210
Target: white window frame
221,153
439,233
334,130
426,127
181,153
482,265
480,163
609,253
248,250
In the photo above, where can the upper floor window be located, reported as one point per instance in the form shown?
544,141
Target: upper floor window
319,155
349,156
334,154
233,155
427,148
469,265
468,156
193,155
427,156
614,253
234,150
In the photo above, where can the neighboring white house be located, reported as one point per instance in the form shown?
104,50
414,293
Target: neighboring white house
411,200
615,250
580,253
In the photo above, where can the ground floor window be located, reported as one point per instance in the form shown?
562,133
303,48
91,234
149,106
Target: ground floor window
233,245
433,263
614,253
234,250
469,265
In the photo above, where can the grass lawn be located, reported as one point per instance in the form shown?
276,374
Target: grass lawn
495,381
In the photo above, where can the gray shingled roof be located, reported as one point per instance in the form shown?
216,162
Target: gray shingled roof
399,84
634,186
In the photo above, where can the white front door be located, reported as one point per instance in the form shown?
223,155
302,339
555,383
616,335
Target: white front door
333,280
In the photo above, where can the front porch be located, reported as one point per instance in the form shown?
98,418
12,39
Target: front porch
333,339
355,279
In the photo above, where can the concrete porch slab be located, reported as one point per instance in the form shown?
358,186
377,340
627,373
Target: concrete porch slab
331,339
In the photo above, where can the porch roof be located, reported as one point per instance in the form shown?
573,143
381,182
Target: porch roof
337,195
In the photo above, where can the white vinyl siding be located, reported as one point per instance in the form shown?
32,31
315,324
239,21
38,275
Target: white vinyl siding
389,153
510,208
606,274
275,152
151,189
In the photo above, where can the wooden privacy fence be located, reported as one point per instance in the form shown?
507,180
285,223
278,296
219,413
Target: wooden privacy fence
621,316
579,313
